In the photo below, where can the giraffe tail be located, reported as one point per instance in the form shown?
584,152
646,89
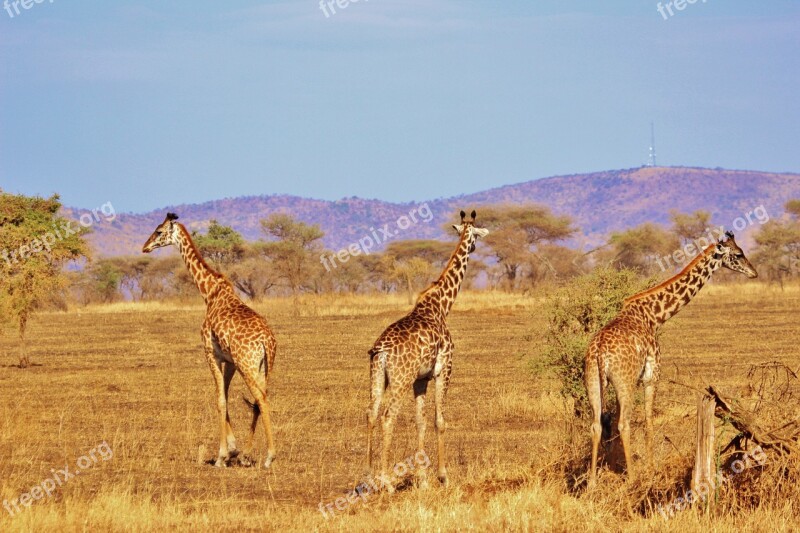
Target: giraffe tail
605,416
252,405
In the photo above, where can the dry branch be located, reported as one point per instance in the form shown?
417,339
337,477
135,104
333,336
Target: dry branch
745,422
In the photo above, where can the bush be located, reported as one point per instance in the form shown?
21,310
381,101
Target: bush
576,312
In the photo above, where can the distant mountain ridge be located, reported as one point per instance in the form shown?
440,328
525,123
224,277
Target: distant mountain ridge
599,203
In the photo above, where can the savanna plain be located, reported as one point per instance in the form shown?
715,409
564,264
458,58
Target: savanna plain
133,376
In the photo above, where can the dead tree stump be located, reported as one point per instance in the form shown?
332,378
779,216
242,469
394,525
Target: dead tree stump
704,473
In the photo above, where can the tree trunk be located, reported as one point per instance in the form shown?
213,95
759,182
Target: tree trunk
704,474
23,355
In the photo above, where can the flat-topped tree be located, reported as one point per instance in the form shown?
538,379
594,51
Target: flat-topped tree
518,233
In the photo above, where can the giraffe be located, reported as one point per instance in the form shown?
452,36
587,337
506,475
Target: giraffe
626,350
417,349
234,337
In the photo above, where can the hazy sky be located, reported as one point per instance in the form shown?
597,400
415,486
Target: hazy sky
151,103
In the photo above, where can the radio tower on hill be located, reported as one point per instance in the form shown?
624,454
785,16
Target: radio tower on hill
651,160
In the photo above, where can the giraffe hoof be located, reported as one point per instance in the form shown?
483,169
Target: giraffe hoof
269,460
443,478
246,460
221,462
233,453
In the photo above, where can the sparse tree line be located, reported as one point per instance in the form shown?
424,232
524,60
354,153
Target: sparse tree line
528,245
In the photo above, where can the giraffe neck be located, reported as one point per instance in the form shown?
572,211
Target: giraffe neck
663,301
205,278
443,292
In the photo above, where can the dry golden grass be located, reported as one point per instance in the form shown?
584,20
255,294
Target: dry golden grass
134,376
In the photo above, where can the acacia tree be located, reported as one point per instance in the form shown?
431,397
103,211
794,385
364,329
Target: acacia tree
132,270
779,245
253,274
104,281
36,243
519,233
793,208
223,245
642,248
689,226
294,250
413,263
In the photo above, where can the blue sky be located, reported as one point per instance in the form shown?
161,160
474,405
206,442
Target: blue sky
147,103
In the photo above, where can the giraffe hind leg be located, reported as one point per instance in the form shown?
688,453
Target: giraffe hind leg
624,404
257,384
261,384
392,407
260,408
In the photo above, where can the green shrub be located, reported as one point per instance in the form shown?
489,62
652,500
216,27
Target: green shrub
576,312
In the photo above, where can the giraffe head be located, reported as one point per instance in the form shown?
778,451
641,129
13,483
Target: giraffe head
468,231
165,234
733,257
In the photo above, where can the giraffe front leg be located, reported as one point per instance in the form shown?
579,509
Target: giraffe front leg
377,384
222,411
228,370
420,389
594,391
649,397
442,381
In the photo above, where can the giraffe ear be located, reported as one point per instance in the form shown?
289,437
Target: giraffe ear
459,228
481,232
